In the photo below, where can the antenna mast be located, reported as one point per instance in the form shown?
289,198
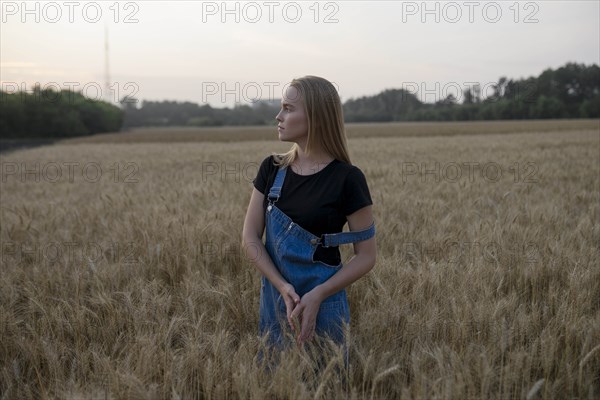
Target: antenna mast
107,95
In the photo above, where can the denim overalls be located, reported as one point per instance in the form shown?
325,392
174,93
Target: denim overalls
292,248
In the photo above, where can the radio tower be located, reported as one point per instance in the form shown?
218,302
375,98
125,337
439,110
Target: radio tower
107,95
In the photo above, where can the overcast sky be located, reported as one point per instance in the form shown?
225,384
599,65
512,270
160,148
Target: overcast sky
196,51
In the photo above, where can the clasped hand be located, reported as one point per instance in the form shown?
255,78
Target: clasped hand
306,308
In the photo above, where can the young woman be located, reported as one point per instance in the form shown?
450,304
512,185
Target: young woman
304,198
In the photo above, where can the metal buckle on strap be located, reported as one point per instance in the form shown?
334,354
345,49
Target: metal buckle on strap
319,241
271,202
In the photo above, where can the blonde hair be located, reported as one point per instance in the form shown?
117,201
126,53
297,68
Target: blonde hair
325,118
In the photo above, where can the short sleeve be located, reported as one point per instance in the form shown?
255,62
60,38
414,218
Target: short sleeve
260,182
356,193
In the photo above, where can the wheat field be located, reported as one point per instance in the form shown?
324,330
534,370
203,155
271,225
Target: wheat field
123,276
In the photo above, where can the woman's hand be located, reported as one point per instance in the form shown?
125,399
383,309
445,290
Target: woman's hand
308,308
291,299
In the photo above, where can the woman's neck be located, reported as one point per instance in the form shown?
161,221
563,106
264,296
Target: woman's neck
316,157
305,164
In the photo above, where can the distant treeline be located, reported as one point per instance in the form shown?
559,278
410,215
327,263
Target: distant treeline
173,113
571,91
46,113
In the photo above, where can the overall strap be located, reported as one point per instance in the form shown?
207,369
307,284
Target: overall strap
277,184
335,239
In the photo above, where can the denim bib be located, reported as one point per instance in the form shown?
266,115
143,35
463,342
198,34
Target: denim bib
291,249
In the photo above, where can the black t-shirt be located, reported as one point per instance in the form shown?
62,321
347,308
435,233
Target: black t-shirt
319,202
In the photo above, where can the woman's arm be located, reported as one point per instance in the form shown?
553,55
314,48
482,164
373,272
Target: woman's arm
363,260
255,251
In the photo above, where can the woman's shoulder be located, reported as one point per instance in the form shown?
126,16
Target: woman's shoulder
348,169
272,158
267,161
268,164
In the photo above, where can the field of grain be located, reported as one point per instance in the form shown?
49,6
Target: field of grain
353,130
123,277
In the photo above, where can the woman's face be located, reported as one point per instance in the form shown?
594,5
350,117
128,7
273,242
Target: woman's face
293,123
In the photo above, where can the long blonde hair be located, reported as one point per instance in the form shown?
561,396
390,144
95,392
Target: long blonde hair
325,118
